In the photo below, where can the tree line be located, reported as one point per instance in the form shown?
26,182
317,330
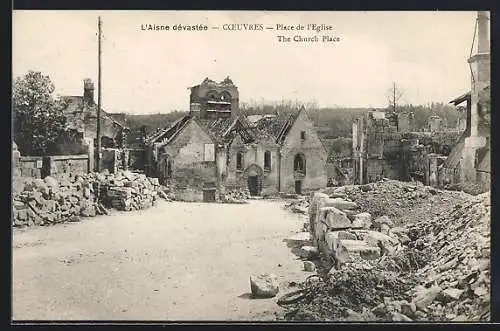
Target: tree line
39,119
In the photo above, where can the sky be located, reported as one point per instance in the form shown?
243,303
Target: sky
143,72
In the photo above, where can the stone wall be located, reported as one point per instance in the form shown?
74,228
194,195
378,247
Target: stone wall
66,165
315,156
31,166
58,166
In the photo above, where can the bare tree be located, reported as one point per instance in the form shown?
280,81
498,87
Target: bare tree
393,97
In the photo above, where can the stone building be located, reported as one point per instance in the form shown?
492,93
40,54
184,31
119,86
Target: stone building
469,161
215,149
81,134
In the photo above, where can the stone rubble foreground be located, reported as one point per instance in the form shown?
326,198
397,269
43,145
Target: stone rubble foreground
49,201
425,262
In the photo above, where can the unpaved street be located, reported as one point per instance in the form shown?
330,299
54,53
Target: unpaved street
175,261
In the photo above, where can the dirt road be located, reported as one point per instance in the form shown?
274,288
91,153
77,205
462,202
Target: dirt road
175,261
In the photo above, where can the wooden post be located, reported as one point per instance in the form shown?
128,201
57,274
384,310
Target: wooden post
99,97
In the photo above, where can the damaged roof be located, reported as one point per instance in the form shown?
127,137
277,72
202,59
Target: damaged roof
75,104
460,99
224,130
168,133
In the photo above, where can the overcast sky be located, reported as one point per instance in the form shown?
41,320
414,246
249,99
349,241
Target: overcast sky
425,53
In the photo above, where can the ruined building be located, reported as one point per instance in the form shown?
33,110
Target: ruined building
435,157
381,151
215,148
81,119
469,160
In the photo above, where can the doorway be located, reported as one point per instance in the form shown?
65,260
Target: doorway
298,187
253,185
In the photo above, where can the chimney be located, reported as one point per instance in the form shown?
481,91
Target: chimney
483,43
88,91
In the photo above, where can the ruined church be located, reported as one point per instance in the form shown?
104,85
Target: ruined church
215,148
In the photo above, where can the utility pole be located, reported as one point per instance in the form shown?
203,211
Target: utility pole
99,96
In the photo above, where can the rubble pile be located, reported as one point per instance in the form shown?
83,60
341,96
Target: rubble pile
351,293
235,196
435,269
403,202
126,190
456,284
48,201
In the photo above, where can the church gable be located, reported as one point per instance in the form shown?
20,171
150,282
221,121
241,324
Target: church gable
302,134
237,141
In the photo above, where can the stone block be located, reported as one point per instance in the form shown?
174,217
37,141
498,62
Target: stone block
450,295
425,297
374,237
333,218
339,203
362,220
264,286
346,235
383,220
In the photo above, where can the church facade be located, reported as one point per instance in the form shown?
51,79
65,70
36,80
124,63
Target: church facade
217,149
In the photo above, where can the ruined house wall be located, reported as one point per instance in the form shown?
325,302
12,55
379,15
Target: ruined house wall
314,152
383,152
190,171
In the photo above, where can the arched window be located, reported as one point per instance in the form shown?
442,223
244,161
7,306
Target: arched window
267,160
225,96
299,163
212,96
239,161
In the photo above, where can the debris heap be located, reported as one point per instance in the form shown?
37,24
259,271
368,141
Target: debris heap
403,202
433,269
48,201
235,196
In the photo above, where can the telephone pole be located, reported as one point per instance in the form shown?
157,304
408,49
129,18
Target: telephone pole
99,96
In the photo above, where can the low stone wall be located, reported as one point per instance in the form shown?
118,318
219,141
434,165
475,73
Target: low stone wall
30,166
56,166
341,231
65,165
